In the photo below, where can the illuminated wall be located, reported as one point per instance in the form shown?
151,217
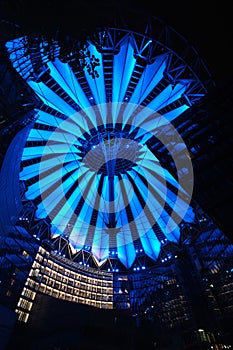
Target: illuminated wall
49,276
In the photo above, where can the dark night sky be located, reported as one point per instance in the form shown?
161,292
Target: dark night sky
209,28
208,25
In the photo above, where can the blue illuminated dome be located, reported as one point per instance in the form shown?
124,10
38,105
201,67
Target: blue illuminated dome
92,160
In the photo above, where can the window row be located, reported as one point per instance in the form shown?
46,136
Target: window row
76,293
22,316
62,275
97,300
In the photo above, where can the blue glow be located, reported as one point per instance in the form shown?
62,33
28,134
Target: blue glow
65,77
97,84
51,99
162,99
175,113
168,95
135,206
82,194
20,61
190,215
64,215
78,235
121,75
29,153
171,231
122,72
101,239
46,182
63,137
126,252
31,170
145,46
151,244
152,74
54,198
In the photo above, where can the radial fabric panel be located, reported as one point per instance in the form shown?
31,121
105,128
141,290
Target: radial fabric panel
89,161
